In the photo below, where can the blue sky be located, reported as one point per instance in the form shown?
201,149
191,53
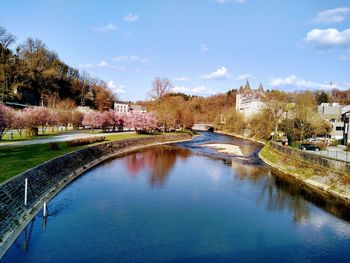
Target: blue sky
203,46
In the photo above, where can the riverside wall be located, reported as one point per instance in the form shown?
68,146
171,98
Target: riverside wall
329,163
49,178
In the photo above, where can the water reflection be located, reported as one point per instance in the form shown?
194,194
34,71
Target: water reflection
246,171
284,196
158,161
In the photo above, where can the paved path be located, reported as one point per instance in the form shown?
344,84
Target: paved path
58,138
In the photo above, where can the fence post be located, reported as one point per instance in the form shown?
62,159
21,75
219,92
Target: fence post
25,191
45,210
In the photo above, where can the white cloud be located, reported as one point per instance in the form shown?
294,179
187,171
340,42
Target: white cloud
131,17
328,37
219,74
330,16
102,64
194,90
204,48
296,82
227,1
115,88
128,58
182,79
244,77
108,27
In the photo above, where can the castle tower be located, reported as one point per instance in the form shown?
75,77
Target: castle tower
261,89
247,89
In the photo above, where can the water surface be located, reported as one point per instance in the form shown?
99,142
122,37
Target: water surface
184,203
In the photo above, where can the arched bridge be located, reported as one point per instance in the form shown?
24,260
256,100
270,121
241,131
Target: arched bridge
203,127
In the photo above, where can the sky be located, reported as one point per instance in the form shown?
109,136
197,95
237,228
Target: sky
204,46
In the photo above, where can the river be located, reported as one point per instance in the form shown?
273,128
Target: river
185,203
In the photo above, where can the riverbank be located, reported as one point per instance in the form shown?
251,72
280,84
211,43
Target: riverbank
335,185
46,180
322,180
18,159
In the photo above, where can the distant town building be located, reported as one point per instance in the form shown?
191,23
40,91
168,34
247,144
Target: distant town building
248,101
124,107
332,113
84,109
345,112
121,107
136,108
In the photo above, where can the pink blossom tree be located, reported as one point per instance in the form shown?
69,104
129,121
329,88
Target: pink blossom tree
35,117
143,122
128,120
18,122
53,119
93,119
6,116
119,120
107,120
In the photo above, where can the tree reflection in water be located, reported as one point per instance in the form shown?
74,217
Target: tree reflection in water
158,160
281,193
277,192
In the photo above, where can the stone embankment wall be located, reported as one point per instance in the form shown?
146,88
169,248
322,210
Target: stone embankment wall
49,178
338,165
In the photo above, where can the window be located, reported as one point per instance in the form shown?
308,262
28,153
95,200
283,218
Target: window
339,128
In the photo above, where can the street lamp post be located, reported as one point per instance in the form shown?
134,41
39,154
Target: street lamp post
301,132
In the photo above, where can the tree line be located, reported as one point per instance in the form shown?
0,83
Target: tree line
292,113
31,73
33,120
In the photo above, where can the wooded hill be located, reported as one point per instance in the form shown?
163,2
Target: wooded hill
33,74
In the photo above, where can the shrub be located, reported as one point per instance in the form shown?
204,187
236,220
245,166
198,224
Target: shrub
85,141
321,145
333,142
53,146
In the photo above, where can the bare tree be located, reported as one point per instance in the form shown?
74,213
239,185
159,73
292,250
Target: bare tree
161,87
6,39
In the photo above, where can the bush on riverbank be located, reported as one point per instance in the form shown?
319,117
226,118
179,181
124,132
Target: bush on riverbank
85,141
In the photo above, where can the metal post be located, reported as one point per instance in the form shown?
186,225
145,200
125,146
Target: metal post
25,191
45,210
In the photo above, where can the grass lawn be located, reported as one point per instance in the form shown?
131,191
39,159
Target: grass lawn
290,165
17,159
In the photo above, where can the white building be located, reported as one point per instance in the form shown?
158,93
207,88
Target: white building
124,107
121,107
249,102
137,108
332,113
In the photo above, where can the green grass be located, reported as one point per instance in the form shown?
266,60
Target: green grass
288,164
17,159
